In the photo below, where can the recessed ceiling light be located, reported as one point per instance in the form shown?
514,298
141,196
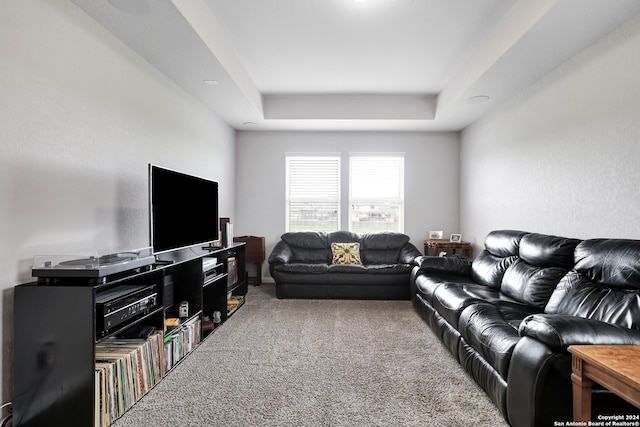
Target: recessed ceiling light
478,99
211,82
249,123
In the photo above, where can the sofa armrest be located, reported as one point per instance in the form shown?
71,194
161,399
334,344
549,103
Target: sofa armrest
408,253
444,264
560,331
281,254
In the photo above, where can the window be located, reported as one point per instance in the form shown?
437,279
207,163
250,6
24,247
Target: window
376,196
313,192
374,192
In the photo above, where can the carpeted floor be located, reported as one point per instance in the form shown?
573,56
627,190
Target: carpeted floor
317,363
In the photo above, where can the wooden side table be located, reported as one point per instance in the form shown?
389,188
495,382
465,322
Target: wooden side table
615,367
254,255
441,244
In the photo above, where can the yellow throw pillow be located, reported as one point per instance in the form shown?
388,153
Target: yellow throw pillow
346,253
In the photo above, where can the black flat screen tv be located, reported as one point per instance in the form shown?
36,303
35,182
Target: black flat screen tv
183,210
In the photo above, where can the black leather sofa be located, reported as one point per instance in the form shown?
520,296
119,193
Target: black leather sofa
301,265
509,316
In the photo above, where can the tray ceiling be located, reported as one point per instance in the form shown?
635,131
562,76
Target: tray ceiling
433,65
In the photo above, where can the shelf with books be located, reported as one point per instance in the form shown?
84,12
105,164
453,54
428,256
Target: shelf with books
181,339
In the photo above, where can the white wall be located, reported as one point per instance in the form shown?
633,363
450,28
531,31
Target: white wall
431,177
81,116
562,157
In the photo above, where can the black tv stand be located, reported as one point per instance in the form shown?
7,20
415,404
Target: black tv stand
62,318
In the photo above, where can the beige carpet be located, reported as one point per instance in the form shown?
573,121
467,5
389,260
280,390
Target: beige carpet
317,363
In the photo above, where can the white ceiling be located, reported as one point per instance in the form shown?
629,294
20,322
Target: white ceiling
357,65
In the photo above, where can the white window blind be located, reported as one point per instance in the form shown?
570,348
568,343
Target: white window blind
376,197
313,193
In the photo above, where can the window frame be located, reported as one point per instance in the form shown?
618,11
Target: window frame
330,157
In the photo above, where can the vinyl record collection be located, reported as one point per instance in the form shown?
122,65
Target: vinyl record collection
126,369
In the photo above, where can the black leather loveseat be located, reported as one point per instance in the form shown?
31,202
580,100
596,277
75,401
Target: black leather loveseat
509,316
303,266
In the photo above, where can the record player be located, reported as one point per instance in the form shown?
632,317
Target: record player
91,266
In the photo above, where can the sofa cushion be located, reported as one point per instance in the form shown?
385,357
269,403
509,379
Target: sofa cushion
543,261
501,250
612,262
489,269
342,236
383,247
347,268
302,268
388,269
306,239
504,243
345,253
384,240
568,282
484,293
604,285
529,284
308,246
427,283
542,250
450,299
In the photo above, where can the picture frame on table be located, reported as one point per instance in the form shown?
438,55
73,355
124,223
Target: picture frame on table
435,235
455,238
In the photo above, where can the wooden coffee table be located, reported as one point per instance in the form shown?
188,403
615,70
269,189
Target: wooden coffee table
615,367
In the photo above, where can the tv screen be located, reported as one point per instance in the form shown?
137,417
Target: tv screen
183,209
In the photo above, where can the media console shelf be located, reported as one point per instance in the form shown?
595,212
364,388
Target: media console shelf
65,346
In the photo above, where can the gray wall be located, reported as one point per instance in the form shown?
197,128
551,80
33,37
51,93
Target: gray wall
562,157
81,116
431,177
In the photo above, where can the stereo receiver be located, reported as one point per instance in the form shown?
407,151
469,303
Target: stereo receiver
123,303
